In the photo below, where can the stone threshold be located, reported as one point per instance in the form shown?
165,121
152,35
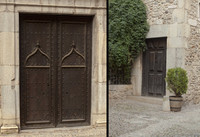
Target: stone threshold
151,100
56,129
86,131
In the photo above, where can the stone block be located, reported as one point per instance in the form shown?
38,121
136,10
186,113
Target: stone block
7,22
1,51
9,129
102,48
181,30
180,57
17,104
102,95
175,57
123,88
81,3
98,119
101,21
95,72
65,2
94,96
98,3
101,123
17,48
8,103
187,30
173,30
178,15
181,3
158,31
2,8
172,7
166,104
102,75
171,56
159,21
3,1
29,2
188,4
83,11
63,10
176,42
136,77
16,18
192,22
10,8
7,74
137,85
34,9
8,1
7,46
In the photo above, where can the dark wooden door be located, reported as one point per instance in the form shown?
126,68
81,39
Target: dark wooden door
55,70
154,67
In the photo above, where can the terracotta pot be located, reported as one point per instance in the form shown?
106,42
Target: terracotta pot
175,103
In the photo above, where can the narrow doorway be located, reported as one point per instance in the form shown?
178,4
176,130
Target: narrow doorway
154,67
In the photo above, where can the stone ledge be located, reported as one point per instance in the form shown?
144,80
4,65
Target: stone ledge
51,5
9,129
84,131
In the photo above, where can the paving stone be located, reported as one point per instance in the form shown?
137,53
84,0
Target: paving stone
129,118
84,132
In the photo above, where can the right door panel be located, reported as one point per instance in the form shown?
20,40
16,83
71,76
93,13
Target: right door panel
74,71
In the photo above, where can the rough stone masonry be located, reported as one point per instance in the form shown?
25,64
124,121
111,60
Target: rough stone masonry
179,21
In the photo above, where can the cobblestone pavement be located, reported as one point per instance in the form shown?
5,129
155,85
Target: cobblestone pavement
128,118
62,132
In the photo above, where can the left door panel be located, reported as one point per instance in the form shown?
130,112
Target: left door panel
36,64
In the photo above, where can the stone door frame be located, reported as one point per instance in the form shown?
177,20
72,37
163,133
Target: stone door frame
146,65
174,55
10,110
55,96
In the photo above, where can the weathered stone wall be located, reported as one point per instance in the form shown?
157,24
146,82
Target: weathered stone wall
179,21
119,91
166,18
192,63
160,11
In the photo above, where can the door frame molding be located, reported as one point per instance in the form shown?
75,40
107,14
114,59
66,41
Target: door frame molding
10,108
143,93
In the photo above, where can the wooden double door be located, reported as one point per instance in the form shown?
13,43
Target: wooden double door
154,67
55,70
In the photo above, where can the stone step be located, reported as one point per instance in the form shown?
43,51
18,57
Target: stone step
151,100
85,131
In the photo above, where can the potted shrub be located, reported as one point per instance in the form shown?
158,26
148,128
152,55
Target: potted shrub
177,83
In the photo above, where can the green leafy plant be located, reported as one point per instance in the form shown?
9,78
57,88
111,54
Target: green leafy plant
177,81
127,33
